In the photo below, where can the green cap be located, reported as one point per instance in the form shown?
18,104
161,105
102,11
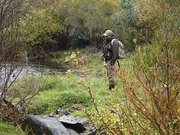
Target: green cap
108,33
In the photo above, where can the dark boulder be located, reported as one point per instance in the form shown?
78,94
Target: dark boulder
65,125
39,125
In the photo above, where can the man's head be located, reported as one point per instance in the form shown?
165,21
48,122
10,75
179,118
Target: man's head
108,33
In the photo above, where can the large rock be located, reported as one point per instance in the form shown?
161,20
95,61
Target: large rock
65,125
78,123
43,125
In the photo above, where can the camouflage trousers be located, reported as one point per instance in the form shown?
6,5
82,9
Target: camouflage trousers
110,73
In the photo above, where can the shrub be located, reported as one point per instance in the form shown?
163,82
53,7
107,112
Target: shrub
67,99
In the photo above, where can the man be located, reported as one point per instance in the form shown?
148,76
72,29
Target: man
110,55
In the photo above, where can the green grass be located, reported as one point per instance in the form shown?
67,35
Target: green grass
67,90
8,129
64,91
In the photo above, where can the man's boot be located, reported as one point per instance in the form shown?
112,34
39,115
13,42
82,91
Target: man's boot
111,87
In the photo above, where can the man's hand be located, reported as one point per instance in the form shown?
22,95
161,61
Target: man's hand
111,66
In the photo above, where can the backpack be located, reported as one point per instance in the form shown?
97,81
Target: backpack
121,49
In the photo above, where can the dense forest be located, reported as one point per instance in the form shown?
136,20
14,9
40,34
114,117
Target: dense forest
39,27
32,30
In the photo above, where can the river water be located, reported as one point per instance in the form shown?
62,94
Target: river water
47,68
30,68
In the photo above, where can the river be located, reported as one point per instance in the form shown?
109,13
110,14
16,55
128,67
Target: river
31,68
44,67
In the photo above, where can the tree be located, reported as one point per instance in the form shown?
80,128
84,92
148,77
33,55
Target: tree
127,23
41,28
12,52
87,19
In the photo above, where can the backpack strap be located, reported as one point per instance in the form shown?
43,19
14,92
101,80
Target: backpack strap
118,41
116,60
112,41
